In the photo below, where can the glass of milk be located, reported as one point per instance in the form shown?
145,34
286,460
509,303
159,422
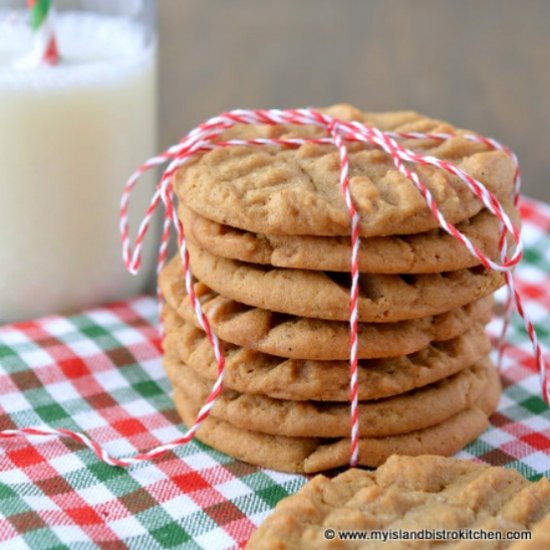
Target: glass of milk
69,137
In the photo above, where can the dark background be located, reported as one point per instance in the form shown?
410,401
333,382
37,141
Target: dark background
480,64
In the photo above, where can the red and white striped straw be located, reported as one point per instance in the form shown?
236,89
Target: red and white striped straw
41,13
203,139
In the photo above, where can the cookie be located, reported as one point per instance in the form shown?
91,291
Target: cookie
295,191
404,413
325,295
541,535
304,338
428,252
249,371
409,493
311,455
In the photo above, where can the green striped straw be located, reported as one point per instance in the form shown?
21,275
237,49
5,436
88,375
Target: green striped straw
41,20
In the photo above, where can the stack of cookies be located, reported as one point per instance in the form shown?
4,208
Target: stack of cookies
268,235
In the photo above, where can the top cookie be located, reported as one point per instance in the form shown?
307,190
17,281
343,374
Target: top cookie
296,191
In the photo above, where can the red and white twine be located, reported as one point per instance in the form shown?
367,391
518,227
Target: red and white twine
203,139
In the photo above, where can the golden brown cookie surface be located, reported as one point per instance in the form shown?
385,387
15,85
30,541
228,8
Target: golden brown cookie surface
427,252
325,295
401,414
311,455
429,492
304,338
295,191
249,371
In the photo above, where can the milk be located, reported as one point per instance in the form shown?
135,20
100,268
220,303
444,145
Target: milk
69,137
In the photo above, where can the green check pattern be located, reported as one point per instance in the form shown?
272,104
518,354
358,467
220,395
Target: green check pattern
100,373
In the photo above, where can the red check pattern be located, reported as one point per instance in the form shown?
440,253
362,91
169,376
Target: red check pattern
100,373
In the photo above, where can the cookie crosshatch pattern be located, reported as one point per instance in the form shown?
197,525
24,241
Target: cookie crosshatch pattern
100,372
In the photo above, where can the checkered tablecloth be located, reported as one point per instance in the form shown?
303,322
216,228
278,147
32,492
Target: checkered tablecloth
100,372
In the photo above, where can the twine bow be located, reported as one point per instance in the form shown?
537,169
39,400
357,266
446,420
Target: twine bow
203,139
